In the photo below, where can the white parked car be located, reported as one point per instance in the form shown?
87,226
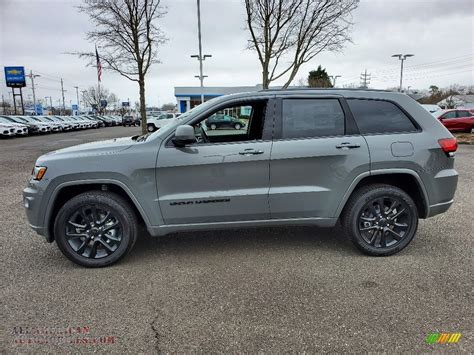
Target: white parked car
6,130
42,127
55,127
20,129
154,123
431,108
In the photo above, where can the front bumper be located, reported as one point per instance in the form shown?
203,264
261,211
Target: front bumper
32,202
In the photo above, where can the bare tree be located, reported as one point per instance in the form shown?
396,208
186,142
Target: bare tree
288,33
128,37
92,97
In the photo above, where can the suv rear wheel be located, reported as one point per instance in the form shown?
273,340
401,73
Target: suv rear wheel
95,229
151,127
380,219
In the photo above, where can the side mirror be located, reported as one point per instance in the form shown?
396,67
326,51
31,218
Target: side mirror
184,135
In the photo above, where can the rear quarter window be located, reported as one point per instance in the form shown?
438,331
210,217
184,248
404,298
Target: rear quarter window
378,116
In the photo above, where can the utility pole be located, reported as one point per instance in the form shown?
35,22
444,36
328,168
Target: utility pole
32,77
77,95
334,77
199,56
84,103
62,93
402,58
364,79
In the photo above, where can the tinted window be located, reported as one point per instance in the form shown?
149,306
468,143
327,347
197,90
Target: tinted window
304,118
451,114
464,114
373,116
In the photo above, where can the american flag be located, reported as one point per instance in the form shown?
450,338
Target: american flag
99,66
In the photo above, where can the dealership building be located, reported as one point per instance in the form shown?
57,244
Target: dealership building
190,96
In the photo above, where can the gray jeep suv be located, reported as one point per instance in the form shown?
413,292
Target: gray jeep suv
374,160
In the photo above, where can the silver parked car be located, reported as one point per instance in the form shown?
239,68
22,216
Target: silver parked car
374,160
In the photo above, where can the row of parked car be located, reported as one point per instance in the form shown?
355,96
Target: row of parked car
25,125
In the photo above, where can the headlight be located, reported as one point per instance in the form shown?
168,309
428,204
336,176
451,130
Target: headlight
38,172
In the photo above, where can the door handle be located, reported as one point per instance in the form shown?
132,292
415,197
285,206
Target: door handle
251,151
347,145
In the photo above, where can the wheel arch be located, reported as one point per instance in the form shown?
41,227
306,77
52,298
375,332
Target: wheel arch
68,190
405,179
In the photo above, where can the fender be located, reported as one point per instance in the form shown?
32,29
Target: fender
360,177
54,194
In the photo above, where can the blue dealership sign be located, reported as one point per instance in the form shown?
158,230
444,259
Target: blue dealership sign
15,77
39,109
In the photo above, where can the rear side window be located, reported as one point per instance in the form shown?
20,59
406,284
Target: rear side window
377,116
304,118
464,114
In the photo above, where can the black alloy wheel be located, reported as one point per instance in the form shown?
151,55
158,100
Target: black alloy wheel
94,232
380,219
384,221
95,228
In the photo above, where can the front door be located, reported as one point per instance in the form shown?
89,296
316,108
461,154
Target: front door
224,176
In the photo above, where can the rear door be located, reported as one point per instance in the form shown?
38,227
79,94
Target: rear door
465,120
316,155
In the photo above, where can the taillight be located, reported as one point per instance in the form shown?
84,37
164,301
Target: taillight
449,145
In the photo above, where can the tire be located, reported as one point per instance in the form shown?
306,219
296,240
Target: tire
78,243
213,126
150,127
375,235
237,126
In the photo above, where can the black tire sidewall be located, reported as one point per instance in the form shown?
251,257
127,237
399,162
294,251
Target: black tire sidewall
121,210
353,220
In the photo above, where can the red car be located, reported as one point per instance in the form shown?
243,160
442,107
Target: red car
459,120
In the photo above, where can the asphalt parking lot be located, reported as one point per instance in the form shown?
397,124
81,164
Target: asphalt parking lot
269,289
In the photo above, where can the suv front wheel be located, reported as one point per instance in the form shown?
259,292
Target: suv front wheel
380,219
151,127
95,229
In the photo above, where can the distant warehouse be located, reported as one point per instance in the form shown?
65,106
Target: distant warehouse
190,96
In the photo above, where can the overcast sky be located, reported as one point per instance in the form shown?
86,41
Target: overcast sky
37,33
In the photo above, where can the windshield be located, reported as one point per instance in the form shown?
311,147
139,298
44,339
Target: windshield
4,120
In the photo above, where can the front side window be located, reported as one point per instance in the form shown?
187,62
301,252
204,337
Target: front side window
240,122
378,116
451,114
304,118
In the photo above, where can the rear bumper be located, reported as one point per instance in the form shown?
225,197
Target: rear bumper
441,192
439,208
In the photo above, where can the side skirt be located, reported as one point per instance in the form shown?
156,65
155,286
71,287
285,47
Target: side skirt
171,228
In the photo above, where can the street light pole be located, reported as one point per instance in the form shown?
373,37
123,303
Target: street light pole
77,95
402,58
199,56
